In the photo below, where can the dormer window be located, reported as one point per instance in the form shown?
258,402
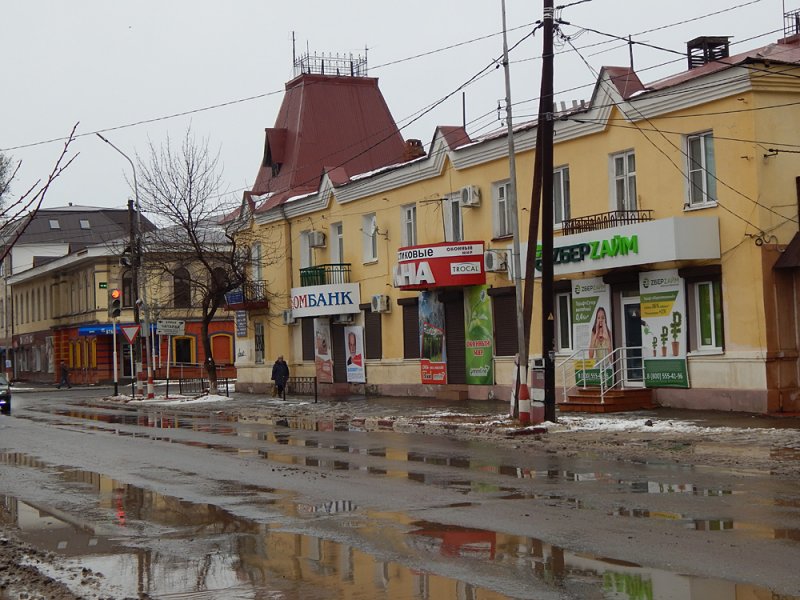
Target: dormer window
85,224
54,224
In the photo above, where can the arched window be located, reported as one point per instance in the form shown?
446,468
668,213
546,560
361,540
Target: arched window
182,293
128,294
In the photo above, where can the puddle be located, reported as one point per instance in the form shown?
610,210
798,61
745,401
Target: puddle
149,543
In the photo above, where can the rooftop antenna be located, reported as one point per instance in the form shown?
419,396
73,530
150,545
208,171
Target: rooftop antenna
630,50
294,52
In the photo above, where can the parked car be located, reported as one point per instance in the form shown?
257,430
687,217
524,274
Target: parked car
5,395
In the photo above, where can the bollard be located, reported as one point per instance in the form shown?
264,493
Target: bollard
524,404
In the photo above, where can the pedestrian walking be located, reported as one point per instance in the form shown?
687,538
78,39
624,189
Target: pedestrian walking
64,376
280,375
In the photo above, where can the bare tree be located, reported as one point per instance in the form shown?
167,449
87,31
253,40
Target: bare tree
17,212
181,187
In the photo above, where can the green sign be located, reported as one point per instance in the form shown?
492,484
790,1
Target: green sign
663,315
619,245
103,285
478,325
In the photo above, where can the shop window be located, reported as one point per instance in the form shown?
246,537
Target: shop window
373,334
183,350
501,209
624,180
563,322
258,328
560,195
411,329
307,333
702,169
182,290
453,222
706,318
409,224
504,309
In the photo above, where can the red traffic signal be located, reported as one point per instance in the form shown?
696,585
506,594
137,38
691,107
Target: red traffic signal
114,303
116,294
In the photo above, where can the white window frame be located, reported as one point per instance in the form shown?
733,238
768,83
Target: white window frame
258,273
704,194
560,317
561,195
408,222
337,243
54,224
306,251
453,231
698,317
501,208
623,182
369,229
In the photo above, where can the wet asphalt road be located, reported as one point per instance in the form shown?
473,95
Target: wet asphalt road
201,505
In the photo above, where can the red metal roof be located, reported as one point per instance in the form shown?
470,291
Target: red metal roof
326,122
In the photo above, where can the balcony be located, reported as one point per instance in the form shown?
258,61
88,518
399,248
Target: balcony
606,220
325,274
251,296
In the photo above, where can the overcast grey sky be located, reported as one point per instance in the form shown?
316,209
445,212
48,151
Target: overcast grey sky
107,64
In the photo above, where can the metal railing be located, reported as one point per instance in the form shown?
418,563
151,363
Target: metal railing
619,369
200,385
325,274
250,292
605,220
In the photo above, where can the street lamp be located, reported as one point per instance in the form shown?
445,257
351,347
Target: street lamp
142,285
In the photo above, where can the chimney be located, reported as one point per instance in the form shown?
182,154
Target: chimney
413,150
706,49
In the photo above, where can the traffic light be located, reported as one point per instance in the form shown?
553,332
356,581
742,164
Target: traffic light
114,303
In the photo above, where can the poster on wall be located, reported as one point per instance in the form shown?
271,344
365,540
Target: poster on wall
323,360
478,324
354,343
432,350
591,329
663,310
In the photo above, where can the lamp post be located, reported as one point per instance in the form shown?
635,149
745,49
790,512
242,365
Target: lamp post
139,264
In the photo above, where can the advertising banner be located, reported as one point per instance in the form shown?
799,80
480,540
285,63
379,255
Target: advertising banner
478,323
354,343
323,359
439,265
663,310
591,328
432,350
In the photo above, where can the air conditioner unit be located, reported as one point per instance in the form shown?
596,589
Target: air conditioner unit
495,261
316,239
381,304
344,319
471,196
288,319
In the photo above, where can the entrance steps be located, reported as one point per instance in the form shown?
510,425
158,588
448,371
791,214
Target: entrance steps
618,400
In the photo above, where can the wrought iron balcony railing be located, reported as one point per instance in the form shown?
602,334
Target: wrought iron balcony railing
325,274
606,220
252,295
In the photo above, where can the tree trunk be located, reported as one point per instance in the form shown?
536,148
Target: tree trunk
209,365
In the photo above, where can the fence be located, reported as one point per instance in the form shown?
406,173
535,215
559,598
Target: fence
199,385
301,386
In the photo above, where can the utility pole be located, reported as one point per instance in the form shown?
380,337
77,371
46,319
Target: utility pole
137,348
522,360
546,125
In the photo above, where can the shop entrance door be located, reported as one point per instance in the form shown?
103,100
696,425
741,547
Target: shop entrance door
632,372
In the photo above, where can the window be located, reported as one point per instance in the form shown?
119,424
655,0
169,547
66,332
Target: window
409,225
127,290
708,315
54,224
702,169
182,291
560,195
369,228
453,223
183,350
563,322
258,328
502,215
624,180
306,251
256,262
85,224
337,243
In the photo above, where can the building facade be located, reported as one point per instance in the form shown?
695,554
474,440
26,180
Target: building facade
676,256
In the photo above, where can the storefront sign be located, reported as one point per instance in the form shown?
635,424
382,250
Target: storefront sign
591,327
433,352
354,344
663,311
241,323
334,299
440,265
478,323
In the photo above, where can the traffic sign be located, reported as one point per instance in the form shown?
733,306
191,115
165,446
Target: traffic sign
170,327
130,331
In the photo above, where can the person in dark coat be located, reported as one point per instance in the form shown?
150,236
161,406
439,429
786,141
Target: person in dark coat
64,376
280,375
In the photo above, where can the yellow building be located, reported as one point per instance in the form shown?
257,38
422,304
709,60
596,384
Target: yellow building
675,210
